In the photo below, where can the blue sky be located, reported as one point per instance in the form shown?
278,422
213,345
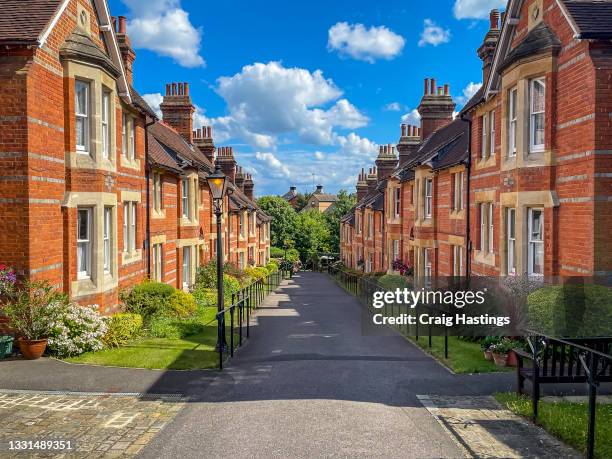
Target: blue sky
305,88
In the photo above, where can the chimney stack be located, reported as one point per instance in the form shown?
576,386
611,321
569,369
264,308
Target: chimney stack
372,179
249,186
125,47
436,108
408,144
487,49
225,159
177,109
240,179
362,185
386,161
202,138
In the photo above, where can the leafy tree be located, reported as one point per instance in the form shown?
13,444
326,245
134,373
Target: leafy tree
282,226
311,233
340,208
301,199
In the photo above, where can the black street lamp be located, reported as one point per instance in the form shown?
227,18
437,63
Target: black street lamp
217,183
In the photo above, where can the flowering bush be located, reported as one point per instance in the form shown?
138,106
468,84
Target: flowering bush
28,309
75,329
404,269
8,278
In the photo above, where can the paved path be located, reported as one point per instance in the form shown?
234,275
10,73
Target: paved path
310,384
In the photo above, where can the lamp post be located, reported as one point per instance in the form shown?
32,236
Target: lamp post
217,183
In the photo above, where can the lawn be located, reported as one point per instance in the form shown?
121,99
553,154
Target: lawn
566,421
195,351
463,356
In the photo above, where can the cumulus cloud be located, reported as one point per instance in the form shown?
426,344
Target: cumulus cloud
319,155
412,117
163,27
476,9
365,44
393,107
268,100
433,34
467,92
276,167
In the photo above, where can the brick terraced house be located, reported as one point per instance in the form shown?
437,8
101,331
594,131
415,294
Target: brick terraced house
97,193
520,182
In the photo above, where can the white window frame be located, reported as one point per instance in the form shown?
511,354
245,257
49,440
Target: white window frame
370,225
185,210
133,220
534,245
491,133
533,147
124,135
157,191
107,238
511,240
397,202
132,134
428,197
426,263
483,149
83,117
483,226
512,121
458,198
157,261
106,131
126,219
84,244
396,250
186,278
490,221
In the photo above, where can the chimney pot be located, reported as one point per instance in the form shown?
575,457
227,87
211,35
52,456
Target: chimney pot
426,86
385,150
122,22
174,89
186,88
446,89
432,86
168,86
404,130
114,23
494,18
195,133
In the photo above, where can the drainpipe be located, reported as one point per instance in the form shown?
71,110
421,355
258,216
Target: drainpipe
468,163
148,180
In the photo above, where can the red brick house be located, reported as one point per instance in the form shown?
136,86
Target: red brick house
520,182
78,146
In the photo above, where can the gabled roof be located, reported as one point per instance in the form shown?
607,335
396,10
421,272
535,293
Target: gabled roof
324,197
289,195
186,153
24,21
162,156
590,19
538,40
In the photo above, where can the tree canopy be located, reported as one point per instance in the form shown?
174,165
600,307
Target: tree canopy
283,216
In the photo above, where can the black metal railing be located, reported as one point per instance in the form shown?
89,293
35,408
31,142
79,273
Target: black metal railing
243,303
363,288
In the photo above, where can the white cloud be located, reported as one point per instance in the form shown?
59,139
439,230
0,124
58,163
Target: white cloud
476,9
163,27
319,155
268,100
154,100
366,44
433,34
355,145
276,167
412,117
393,107
468,92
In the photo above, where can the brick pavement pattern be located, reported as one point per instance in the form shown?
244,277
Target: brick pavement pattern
98,425
484,429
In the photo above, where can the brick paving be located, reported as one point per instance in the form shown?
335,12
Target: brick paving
484,429
98,425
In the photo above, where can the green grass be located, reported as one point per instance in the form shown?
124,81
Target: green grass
566,421
191,352
463,356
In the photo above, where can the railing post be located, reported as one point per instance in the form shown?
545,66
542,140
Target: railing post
248,314
232,330
592,406
240,318
220,326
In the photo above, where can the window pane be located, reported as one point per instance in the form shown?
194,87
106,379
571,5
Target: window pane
538,129
81,106
536,225
538,96
83,224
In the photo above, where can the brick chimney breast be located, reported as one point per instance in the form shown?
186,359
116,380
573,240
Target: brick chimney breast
225,159
177,109
436,108
408,144
372,179
128,56
202,138
386,161
362,185
249,186
240,179
487,48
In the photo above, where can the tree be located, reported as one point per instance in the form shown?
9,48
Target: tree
340,208
301,199
282,226
311,234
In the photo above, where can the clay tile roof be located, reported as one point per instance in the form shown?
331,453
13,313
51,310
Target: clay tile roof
162,156
171,139
23,21
324,197
141,104
593,18
539,39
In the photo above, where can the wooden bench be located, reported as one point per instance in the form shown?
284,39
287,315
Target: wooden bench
560,363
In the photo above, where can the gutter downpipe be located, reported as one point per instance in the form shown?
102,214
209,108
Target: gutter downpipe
148,180
468,163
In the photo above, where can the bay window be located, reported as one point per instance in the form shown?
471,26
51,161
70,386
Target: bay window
84,247
82,111
537,98
511,240
535,240
512,99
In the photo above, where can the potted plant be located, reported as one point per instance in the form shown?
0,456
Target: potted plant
500,352
512,360
486,346
28,313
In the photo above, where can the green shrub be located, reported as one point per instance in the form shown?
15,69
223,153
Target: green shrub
180,304
147,299
276,252
272,267
172,328
206,276
205,297
572,310
392,282
292,255
121,328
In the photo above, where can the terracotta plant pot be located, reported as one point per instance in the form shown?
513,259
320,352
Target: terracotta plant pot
488,355
511,360
500,359
32,349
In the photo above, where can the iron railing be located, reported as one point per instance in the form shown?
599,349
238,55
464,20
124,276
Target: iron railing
245,301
